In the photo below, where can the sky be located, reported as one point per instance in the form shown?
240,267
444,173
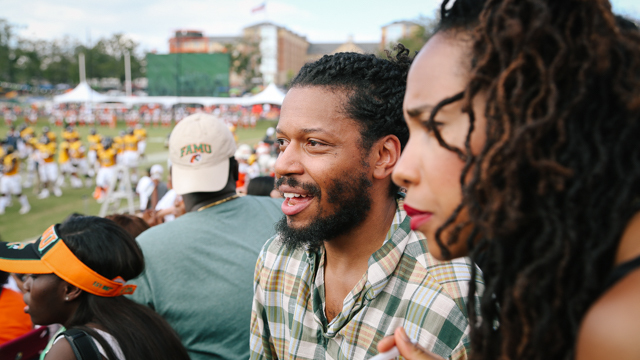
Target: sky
152,22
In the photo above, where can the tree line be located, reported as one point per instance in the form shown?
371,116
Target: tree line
39,62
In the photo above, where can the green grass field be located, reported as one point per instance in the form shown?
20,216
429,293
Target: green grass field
16,227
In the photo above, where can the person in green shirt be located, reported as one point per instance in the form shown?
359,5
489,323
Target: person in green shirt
199,267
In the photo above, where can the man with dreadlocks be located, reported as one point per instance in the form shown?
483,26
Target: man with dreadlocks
534,107
345,269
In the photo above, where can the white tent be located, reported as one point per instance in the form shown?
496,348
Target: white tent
82,93
168,101
270,95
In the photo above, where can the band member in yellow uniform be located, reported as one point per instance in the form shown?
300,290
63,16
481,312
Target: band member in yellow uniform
66,168
50,134
47,167
78,154
141,133
130,154
10,183
94,140
69,133
26,132
26,149
107,157
64,158
118,146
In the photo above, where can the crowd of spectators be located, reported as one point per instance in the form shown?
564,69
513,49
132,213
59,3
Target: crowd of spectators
434,208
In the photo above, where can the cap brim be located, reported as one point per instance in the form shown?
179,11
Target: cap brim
208,178
22,259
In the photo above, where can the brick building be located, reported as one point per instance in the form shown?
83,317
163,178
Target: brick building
282,51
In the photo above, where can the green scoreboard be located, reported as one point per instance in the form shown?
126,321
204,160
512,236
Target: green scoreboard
188,74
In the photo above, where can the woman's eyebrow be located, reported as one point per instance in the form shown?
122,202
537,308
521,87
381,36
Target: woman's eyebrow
419,110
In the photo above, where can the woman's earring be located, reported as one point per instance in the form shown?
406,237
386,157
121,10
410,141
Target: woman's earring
67,298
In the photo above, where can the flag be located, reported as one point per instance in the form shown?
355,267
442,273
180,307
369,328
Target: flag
261,7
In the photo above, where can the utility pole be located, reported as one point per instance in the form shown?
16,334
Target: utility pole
83,73
127,73
179,65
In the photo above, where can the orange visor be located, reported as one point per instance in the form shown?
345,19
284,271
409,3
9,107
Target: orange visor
49,254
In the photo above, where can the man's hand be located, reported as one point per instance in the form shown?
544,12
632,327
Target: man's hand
408,349
149,216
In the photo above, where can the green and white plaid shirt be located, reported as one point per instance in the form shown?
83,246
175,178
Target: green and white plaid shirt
404,286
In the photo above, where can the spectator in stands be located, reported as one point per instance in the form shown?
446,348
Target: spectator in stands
211,250
77,274
170,205
346,268
524,155
151,188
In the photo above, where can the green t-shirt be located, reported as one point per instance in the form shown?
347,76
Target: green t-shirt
199,273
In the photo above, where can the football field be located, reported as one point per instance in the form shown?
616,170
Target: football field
16,227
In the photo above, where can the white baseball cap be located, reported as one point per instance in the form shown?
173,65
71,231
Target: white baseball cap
199,150
156,172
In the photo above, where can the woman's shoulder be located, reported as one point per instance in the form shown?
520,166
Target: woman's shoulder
611,326
60,350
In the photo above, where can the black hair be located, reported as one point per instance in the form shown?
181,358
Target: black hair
261,186
461,15
109,250
132,224
558,178
73,215
625,23
375,89
4,276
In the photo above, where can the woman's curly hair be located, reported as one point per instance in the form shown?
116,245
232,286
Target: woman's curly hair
558,179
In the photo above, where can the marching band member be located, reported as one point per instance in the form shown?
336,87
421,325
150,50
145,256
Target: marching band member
94,140
10,183
47,167
107,157
77,152
141,133
130,154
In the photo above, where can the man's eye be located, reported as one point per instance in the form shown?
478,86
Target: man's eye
282,142
314,143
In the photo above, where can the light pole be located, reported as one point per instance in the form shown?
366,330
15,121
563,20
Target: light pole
127,73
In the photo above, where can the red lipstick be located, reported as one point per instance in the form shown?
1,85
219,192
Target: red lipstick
418,218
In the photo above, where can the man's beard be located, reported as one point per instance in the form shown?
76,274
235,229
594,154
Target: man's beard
351,195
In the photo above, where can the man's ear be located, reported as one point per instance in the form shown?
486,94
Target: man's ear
387,154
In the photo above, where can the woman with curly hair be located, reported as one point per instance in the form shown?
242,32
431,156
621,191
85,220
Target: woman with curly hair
523,153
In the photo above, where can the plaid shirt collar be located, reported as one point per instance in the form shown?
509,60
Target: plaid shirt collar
382,265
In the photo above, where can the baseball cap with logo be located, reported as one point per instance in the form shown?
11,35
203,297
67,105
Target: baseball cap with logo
199,150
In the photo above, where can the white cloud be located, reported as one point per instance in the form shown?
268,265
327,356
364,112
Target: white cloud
152,22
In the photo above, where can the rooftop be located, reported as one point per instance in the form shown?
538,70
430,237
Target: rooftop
401,22
328,48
